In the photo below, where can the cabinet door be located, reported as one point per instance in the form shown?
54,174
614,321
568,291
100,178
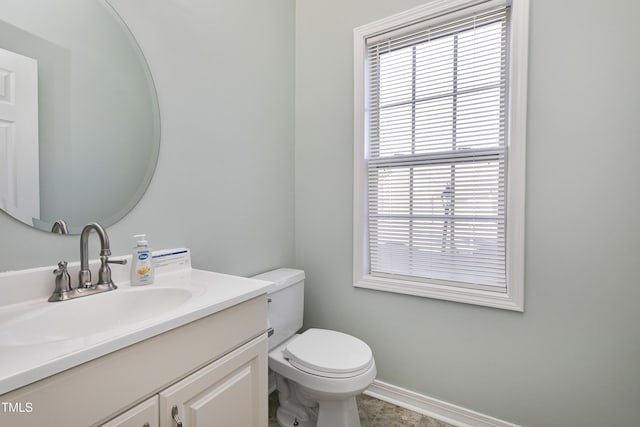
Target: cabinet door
232,391
143,415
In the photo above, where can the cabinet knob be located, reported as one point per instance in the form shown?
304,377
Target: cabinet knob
176,417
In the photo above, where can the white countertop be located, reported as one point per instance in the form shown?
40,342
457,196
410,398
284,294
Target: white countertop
22,363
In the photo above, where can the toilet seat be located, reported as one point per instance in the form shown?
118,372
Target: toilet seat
329,354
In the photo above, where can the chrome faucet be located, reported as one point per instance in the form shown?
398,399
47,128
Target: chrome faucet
64,291
104,273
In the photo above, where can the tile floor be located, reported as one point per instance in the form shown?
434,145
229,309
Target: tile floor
375,413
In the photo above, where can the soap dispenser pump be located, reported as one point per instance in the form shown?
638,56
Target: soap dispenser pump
141,262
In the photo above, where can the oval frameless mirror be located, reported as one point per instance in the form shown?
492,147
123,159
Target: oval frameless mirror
79,117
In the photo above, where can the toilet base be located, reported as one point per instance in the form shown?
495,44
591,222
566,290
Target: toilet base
288,419
338,413
301,407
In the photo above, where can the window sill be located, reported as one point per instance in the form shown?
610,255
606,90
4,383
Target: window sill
503,300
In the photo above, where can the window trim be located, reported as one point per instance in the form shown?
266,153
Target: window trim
513,299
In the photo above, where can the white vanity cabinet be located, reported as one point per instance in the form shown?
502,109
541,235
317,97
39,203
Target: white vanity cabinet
228,392
213,369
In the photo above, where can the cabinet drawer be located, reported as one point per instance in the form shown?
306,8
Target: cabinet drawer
231,391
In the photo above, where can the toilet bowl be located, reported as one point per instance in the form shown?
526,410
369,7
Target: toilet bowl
319,372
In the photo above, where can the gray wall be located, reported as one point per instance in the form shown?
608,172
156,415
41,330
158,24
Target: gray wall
572,358
224,181
224,186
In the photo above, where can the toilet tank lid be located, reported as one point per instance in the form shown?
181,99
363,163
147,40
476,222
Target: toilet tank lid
282,278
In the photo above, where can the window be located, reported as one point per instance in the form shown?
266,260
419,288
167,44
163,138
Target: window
439,152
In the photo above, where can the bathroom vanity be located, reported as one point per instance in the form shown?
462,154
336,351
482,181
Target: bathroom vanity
199,362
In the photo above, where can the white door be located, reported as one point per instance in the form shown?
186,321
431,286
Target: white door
230,392
19,164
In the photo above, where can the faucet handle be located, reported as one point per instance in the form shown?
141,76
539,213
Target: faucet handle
104,273
62,268
63,282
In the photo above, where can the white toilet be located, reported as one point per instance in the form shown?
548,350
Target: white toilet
317,373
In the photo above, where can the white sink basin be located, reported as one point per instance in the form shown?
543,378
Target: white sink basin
46,322
40,338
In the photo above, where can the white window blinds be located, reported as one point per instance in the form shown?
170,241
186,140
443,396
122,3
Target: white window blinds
437,150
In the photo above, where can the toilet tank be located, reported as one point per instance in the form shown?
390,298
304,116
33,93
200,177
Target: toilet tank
286,302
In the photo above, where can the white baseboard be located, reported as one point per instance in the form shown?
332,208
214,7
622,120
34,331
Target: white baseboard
433,408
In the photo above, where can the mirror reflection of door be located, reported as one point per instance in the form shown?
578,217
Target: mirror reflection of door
19,164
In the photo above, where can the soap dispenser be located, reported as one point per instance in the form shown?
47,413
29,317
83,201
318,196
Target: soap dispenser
141,262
